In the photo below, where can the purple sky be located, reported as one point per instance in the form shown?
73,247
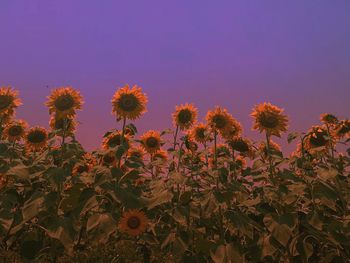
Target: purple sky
295,54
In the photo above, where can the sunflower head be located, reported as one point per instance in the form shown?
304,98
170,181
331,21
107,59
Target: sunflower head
15,131
59,124
136,152
222,150
8,101
184,116
200,133
36,138
114,139
317,137
129,103
151,141
219,119
133,222
328,119
240,162
241,145
160,155
269,118
233,130
274,148
64,102
343,129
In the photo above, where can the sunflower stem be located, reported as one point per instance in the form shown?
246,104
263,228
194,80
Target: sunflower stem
122,139
215,148
269,156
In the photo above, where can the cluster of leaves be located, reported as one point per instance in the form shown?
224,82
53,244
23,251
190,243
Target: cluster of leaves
275,209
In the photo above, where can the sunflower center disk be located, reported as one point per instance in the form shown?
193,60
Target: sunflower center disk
269,121
318,139
64,102
114,141
128,102
219,121
152,142
133,222
5,101
36,137
184,116
15,130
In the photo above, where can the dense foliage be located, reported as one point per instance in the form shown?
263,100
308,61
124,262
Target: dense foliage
200,193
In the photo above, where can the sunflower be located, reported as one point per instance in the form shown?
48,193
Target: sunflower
58,124
343,129
151,141
274,147
36,138
329,119
64,101
221,150
133,222
109,159
200,133
184,116
219,119
136,152
233,130
241,145
160,155
129,103
15,131
114,139
241,162
8,101
317,137
269,118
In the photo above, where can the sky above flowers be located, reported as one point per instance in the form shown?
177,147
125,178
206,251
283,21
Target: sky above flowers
236,54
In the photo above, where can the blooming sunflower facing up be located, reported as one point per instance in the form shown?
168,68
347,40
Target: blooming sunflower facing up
219,119
199,133
269,118
58,124
64,101
151,141
15,131
114,139
184,116
129,103
8,101
36,138
133,222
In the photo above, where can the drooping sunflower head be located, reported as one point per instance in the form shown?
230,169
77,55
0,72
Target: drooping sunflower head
219,119
233,130
129,103
8,101
65,125
151,141
317,137
200,133
36,138
240,162
273,146
343,129
328,119
136,152
269,118
160,155
109,159
64,102
185,116
241,145
114,139
133,222
15,131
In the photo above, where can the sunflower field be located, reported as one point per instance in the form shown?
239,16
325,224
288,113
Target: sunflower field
201,192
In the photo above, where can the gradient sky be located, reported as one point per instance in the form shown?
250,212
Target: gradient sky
295,54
